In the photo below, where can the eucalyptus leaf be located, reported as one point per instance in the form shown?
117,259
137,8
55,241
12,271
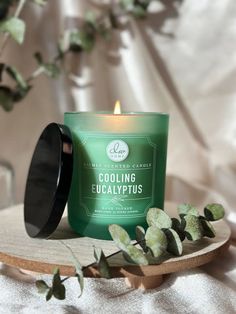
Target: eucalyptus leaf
185,209
175,245
176,225
104,32
127,257
113,20
42,286
49,294
20,93
102,263
58,289
157,217
139,12
90,18
136,255
38,57
16,76
120,236
140,237
214,212
208,229
78,268
4,8
87,40
15,27
192,227
74,41
2,68
50,69
79,274
127,4
144,3
40,2
6,98
156,241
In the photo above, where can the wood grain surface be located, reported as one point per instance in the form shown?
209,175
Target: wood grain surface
17,249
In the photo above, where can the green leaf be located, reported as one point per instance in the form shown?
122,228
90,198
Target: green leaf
127,4
50,69
20,93
2,69
192,227
40,2
4,8
140,237
113,20
214,212
87,40
136,255
15,27
81,40
90,18
123,241
208,229
16,76
156,241
102,263
139,12
185,209
157,217
58,289
104,32
49,294
78,268
144,3
175,245
176,225
6,98
120,236
74,41
38,57
42,286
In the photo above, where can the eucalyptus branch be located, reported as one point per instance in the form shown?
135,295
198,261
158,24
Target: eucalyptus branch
163,236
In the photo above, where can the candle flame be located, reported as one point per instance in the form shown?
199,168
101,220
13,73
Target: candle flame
117,109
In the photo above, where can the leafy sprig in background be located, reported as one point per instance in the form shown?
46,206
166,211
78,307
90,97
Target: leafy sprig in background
76,40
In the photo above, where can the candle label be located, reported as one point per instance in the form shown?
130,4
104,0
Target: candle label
117,175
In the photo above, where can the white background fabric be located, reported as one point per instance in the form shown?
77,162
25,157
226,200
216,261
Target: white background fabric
182,61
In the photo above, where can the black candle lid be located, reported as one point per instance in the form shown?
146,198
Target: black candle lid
48,182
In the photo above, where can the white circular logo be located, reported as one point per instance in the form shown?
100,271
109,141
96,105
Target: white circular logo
117,150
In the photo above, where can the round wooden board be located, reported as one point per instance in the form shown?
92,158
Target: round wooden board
17,249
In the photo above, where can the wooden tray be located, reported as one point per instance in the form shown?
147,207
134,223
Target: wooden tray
17,249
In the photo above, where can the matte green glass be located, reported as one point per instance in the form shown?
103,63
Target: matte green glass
119,169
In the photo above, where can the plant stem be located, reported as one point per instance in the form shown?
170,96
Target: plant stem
6,36
20,8
35,74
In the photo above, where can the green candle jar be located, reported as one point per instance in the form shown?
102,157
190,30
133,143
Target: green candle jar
119,169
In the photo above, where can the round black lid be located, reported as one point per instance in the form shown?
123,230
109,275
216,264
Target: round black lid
48,182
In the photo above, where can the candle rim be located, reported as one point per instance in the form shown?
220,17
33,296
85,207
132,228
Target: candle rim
124,113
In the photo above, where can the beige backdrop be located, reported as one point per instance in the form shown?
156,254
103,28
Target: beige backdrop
181,60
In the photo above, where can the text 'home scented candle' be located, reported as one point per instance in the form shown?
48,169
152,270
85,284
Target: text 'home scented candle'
119,169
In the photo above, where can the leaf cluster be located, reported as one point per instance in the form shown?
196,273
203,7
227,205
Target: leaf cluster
165,234
75,40
138,8
10,95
